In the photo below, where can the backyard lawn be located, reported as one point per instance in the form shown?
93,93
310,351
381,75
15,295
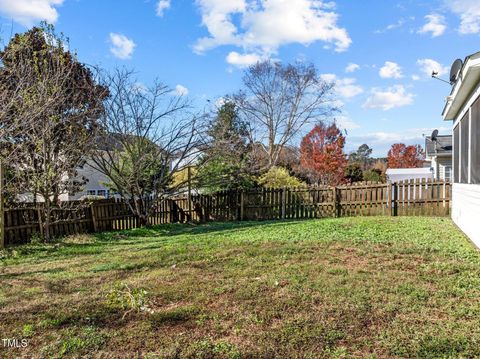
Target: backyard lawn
353,287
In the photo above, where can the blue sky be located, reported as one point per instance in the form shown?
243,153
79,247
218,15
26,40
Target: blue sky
379,52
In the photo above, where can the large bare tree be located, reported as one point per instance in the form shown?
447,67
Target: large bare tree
279,100
49,120
148,136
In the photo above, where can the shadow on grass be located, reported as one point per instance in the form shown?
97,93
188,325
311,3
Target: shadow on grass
28,273
165,233
173,230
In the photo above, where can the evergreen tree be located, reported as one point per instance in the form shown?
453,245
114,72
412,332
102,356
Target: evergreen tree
225,163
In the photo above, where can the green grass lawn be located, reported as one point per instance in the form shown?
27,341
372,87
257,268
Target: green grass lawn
355,287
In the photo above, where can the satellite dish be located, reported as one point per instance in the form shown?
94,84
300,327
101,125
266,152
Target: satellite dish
455,70
434,135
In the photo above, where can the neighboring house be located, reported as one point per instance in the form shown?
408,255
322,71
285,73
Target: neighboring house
95,186
404,174
439,154
463,108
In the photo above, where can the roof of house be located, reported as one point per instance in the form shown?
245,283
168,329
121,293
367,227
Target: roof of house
402,171
442,146
401,174
468,80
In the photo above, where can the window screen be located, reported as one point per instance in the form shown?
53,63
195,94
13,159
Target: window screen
464,143
475,138
456,153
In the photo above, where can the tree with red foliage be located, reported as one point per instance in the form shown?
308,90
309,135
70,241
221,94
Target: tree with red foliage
403,156
322,156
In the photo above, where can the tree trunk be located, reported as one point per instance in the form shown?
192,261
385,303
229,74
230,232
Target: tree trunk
142,213
144,221
271,152
46,220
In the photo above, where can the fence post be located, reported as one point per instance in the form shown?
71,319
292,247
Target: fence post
94,217
335,212
2,214
338,200
241,205
395,199
190,217
389,199
40,219
284,202
444,196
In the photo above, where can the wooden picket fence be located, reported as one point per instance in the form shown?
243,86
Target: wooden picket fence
408,198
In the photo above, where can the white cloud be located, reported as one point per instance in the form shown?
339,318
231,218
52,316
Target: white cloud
346,122
381,141
392,97
415,77
391,70
469,12
345,87
122,46
262,27
435,25
27,12
181,90
351,67
429,65
162,6
140,87
245,60
397,25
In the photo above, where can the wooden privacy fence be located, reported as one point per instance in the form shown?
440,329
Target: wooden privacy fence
21,222
408,198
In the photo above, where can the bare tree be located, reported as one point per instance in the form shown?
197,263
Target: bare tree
148,136
279,100
49,121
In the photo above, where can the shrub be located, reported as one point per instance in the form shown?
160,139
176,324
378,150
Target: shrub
122,297
374,175
354,173
278,177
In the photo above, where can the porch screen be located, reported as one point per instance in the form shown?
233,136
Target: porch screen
464,139
475,138
456,153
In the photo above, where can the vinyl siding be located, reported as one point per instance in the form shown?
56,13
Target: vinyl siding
466,209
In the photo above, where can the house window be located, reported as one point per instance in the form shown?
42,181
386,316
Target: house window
91,192
456,154
464,145
446,173
475,139
102,193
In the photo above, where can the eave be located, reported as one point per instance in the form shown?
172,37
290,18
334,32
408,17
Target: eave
468,80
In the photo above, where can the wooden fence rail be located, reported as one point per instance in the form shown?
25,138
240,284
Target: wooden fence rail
408,198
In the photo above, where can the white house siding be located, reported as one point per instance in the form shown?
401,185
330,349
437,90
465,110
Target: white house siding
466,209
96,182
444,168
